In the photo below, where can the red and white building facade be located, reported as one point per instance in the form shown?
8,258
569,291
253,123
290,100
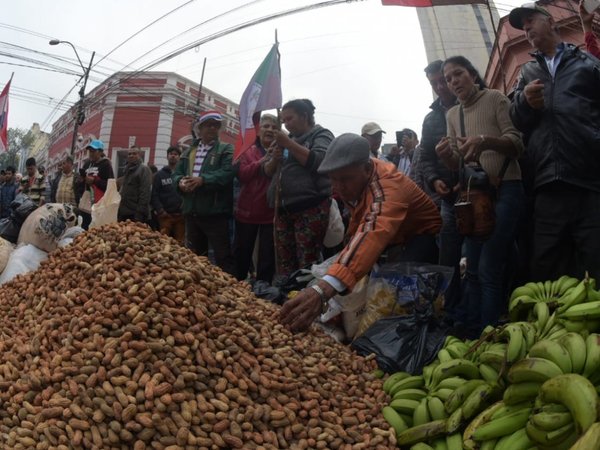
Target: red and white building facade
152,110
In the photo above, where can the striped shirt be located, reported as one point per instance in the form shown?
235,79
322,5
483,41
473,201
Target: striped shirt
200,157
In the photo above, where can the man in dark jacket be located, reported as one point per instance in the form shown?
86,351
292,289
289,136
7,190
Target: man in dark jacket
165,201
204,178
93,178
8,191
440,179
135,190
557,107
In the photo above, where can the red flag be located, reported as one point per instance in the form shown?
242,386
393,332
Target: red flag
4,117
263,93
426,3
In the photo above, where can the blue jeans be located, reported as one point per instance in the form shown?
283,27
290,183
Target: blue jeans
450,253
484,298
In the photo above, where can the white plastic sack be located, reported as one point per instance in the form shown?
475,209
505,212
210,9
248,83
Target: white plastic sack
24,259
319,270
46,226
69,236
351,306
107,209
6,248
335,228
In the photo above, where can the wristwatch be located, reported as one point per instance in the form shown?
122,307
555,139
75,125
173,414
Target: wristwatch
324,299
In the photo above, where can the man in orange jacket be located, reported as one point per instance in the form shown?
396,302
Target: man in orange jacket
389,213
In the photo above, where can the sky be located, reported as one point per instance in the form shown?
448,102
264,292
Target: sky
357,61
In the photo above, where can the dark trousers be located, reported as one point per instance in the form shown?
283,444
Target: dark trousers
243,249
421,249
566,232
451,242
202,231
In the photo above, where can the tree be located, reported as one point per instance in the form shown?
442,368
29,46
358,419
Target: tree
18,138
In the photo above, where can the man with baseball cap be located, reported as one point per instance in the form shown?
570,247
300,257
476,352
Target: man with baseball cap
93,179
389,213
204,178
556,105
373,133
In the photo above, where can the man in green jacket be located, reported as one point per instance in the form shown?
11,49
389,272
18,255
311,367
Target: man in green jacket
204,178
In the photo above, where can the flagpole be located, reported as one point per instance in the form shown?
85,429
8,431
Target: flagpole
278,179
497,46
201,83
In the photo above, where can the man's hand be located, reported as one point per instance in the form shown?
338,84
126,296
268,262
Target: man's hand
298,313
470,147
444,149
189,184
587,18
89,180
282,139
534,94
441,188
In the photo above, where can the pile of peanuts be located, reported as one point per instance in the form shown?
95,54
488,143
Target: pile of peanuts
125,340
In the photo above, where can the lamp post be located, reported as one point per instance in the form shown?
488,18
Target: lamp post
80,110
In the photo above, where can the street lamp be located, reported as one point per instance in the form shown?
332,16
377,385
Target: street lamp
86,72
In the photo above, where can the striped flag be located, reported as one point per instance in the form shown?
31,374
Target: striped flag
4,117
426,3
263,93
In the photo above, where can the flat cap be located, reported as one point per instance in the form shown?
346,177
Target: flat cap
517,15
345,150
371,128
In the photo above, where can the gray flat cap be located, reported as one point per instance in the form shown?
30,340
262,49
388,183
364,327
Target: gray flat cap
345,150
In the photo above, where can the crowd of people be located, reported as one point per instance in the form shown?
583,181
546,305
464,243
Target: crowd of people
394,207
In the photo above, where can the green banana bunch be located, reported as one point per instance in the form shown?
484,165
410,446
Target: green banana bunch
421,413
410,394
457,349
533,369
592,359
575,346
517,347
521,392
451,383
520,307
410,382
483,417
583,327
582,311
479,399
576,296
436,408
502,426
404,406
550,438
577,394
515,441
456,367
547,421
590,440
488,373
506,410
421,433
553,351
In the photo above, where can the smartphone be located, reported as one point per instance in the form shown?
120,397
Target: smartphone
399,136
591,5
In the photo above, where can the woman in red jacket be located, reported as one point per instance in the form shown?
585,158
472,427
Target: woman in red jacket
253,216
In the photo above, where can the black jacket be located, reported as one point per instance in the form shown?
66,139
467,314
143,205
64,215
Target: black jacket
101,170
434,128
164,194
562,139
135,192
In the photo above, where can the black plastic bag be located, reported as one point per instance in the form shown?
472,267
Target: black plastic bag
403,343
264,290
9,230
21,207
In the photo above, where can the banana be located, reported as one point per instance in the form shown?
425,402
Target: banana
502,426
439,444
582,311
436,408
454,421
529,332
444,356
550,408
493,357
393,379
535,290
506,410
552,351
520,307
515,441
420,433
576,393
404,406
488,445
451,383
421,413
522,290
378,373
458,397
583,327
548,438
411,382
450,340
592,360
394,419
482,418
462,367
421,446
443,394
548,291
567,283
411,394
533,369
514,333
541,313
593,295
488,373
520,392
454,441
549,324
559,332
590,440
573,298
551,421
427,374
478,400
575,346
457,349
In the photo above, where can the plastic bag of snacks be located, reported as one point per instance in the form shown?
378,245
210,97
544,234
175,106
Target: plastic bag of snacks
394,288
